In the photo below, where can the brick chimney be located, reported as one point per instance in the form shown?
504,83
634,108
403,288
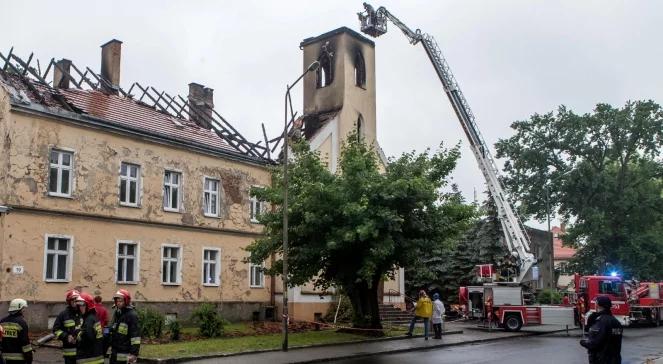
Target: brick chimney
201,104
111,53
59,78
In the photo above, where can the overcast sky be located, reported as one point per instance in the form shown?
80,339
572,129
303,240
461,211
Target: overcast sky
511,58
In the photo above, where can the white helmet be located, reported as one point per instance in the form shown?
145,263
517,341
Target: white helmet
17,304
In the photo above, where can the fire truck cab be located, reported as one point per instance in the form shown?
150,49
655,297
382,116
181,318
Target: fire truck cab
588,288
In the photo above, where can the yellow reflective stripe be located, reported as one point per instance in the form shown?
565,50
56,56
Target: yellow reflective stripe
58,333
93,360
27,348
122,357
69,351
123,329
135,340
69,323
13,356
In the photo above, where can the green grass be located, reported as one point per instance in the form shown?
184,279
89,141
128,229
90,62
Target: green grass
244,343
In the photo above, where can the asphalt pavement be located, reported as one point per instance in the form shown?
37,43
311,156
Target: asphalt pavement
639,344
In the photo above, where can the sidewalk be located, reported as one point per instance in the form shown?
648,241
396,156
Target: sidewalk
468,335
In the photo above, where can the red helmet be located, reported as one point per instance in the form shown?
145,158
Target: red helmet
123,294
71,295
87,299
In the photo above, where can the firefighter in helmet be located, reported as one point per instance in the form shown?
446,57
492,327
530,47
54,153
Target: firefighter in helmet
16,348
65,326
90,338
604,342
125,330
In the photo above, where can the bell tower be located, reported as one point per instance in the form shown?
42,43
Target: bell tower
340,96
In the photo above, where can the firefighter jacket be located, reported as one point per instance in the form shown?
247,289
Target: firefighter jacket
67,323
90,341
16,346
604,341
125,333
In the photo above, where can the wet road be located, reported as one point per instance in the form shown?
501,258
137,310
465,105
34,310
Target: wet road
638,345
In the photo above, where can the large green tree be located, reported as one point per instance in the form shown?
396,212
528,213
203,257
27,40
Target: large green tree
352,228
604,172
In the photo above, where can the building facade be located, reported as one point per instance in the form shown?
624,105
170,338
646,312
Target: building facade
102,191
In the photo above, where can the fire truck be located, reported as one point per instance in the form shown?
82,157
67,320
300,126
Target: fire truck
632,302
500,303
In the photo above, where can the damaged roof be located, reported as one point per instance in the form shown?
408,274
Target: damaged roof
164,119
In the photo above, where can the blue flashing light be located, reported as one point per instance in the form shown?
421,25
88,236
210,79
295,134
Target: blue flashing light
613,274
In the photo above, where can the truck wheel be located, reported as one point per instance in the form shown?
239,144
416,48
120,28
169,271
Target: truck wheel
512,323
657,318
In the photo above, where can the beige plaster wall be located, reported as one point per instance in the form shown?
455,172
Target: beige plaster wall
97,159
94,260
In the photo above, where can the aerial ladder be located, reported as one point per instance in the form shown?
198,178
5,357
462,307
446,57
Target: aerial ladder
374,23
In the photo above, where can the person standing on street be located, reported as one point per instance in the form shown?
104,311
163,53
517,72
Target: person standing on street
604,341
125,330
65,326
438,314
89,340
16,348
423,309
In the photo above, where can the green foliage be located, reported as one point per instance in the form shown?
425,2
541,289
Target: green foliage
352,228
604,171
175,329
151,322
548,296
209,321
345,313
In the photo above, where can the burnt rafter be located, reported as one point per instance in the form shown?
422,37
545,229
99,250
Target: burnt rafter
175,106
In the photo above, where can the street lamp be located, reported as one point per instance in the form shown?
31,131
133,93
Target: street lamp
312,67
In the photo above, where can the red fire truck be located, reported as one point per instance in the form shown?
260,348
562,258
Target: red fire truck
631,302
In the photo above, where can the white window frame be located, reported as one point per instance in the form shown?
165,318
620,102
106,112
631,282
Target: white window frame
128,179
178,274
216,261
60,167
70,257
212,192
136,261
179,186
255,204
262,275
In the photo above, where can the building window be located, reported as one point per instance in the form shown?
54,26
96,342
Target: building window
170,264
57,258
171,191
257,275
211,197
360,127
256,208
360,70
211,266
324,74
60,173
129,184
127,262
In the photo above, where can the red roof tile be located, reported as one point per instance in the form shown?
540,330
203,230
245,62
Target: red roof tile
561,252
130,113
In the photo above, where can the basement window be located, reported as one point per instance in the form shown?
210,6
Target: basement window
325,74
360,127
360,70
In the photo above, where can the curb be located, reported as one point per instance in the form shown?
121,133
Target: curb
212,356
430,347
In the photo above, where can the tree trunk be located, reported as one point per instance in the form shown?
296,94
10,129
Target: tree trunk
364,299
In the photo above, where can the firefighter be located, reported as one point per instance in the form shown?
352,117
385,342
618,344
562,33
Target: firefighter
16,348
65,326
125,330
89,339
604,342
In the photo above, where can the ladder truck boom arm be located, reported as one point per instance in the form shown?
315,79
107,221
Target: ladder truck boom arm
374,23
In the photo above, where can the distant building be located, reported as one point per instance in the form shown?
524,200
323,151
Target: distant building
562,256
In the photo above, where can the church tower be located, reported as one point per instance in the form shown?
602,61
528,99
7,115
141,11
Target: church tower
340,96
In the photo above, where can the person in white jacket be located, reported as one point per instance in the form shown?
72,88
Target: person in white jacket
438,314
